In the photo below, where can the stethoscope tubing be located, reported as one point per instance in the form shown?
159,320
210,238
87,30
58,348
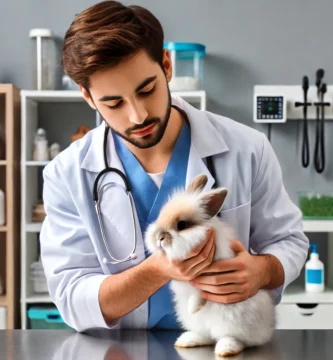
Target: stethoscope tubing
127,189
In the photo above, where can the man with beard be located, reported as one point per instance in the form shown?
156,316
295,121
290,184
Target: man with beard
160,143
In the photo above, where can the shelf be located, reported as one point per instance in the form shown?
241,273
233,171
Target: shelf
33,227
3,300
297,294
76,96
3,228
36,163
38,298
198,94
53,96
318,225
3,162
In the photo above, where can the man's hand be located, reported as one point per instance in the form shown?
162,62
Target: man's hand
196,262
234,280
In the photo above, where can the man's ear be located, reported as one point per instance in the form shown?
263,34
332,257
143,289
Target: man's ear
86,96
167,64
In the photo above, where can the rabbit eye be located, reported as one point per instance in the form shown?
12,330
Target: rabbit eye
181,225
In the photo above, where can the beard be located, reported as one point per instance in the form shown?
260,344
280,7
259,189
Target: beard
149,140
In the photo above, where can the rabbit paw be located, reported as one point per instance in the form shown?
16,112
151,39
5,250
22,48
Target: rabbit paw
195,303
228,346
193,339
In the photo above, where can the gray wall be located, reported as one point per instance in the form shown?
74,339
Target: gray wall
248,43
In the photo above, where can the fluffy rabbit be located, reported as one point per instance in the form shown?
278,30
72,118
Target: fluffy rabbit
182,224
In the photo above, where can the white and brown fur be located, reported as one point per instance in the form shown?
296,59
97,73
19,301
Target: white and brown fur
234,326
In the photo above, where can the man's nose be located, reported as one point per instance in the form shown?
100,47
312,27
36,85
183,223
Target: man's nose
138,113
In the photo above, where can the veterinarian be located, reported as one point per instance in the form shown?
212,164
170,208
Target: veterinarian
159,142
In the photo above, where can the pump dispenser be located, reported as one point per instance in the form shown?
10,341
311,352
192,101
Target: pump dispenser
314,272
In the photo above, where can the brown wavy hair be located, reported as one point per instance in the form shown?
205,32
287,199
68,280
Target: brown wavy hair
107,33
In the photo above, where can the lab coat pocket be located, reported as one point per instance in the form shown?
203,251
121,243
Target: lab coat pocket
239,218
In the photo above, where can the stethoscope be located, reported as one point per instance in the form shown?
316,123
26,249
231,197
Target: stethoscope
127,189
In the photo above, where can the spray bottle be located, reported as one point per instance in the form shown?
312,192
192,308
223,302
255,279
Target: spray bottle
314,272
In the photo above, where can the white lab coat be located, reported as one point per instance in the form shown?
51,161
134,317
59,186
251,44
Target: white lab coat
72,249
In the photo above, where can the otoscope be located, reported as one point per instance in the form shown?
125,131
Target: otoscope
319,161
305,104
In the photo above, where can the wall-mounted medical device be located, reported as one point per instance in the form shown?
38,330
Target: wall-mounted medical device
278,104
287,97
270,107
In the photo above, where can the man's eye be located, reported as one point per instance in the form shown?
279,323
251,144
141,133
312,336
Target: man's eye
145,93
114,106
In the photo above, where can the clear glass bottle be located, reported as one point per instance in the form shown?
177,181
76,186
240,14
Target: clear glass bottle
45,62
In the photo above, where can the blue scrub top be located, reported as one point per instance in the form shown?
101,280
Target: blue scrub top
148,201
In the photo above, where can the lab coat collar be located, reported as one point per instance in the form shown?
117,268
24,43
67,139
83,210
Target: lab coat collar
205,139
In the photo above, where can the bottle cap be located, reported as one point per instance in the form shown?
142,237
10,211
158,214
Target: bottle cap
47,33
314,248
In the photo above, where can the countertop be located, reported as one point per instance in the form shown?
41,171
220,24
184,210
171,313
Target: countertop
152,345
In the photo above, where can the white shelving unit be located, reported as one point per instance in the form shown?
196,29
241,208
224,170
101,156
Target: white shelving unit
297,295
318,226
29,181
302,310
36,163
33,227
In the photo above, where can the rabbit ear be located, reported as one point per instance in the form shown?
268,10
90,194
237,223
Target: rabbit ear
212,201
197,184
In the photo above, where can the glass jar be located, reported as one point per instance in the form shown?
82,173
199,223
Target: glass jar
316,205
45,62
187,64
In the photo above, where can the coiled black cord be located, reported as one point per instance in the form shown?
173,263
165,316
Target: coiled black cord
319,155
305,104
305,148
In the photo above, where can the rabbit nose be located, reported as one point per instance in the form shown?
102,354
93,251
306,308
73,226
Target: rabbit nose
163,235
164,238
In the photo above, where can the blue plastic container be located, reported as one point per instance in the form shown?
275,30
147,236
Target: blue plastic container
188,65
46,318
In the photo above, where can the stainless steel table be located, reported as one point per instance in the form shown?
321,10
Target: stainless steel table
157,345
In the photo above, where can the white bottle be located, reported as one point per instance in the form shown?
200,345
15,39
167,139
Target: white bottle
41,149
2,208
314,272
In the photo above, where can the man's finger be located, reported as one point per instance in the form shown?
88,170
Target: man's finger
199,248
224,265
200,266
235,277
221,290
224,299
237,246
